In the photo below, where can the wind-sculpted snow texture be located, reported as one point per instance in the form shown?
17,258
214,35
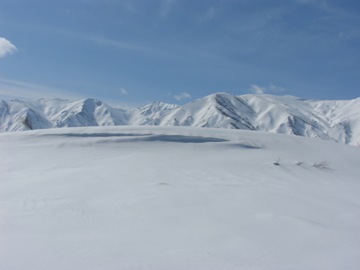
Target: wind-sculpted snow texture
331,120
158,198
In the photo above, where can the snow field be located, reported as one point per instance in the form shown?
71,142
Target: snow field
176,198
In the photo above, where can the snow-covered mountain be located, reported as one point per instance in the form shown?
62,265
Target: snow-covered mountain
23,115
336,120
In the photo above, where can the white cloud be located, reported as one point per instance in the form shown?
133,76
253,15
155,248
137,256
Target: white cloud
6,47
275,88
182,96
257,89
123,91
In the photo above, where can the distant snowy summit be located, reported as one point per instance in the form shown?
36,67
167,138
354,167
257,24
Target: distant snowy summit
337,120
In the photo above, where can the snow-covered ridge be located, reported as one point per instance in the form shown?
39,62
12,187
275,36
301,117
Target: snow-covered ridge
335,120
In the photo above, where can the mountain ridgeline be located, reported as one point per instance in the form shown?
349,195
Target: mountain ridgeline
337,120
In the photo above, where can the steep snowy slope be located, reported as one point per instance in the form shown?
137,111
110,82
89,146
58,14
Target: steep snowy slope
24,115
343,118
21,115
216,110
151,113
87,112
287,115
152,198
335,120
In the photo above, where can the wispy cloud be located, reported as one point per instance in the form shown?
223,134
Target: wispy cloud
208,16
275,88
17,89
119,44
10,89
158,51
272,88
256,89
6,47
182,96
123,91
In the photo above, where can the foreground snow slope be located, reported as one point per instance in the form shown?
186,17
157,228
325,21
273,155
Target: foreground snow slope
177,198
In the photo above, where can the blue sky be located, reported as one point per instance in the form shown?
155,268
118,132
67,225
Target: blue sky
136,51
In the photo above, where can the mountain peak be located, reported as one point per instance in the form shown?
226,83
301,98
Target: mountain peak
336,120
